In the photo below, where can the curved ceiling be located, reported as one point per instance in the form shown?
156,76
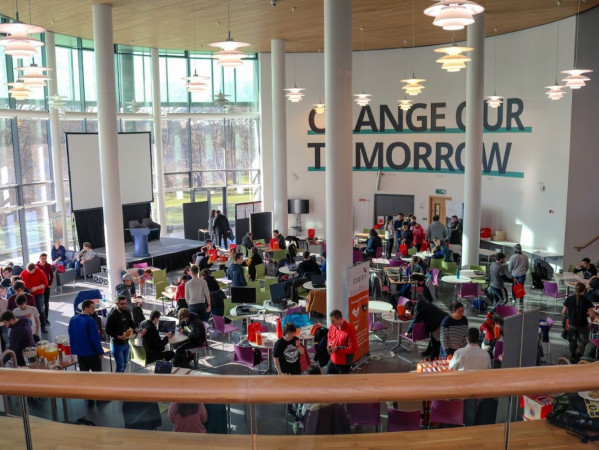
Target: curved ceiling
169,24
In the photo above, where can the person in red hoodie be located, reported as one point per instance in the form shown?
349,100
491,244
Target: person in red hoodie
36,281
342,344
49,271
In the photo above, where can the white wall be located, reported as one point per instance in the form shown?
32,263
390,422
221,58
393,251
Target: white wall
516,203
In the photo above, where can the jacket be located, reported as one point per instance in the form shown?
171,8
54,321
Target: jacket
419,235
436,230
38,277
197,332
116,325
19,337
426,312
344,338
48,270
221,224
247,243
12,301
236,275
255,260
84,337
152,342
308,266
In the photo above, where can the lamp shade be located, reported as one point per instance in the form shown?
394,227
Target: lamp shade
319,108
295,94
405,104
18,43
453,14
229,56
576,78
362,99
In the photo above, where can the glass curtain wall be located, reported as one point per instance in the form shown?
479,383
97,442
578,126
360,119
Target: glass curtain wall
219,151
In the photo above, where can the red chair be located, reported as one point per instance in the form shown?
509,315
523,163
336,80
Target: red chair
364,415
403,420
506,311
551,290
449,412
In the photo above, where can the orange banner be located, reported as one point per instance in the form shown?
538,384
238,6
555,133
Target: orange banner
358,307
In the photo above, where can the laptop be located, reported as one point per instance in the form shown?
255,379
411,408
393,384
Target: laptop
163,367
277,294
166,326
319,280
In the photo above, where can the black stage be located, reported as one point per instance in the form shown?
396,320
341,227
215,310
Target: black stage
169,253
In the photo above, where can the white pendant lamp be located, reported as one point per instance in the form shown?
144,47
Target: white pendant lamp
453,61
576,77
57,102
229,56
319,108
18,43
34,76
19,91
294,94
362,99
195,83
404,104
221,100
413,86
494,101
555,92
453,14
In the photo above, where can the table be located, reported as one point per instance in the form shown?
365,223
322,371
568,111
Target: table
487,253
380,261
452,279
268,343
378,307
287,271
99,305
177,338
392,317
260,310
275,309
470,274
308,285
569,279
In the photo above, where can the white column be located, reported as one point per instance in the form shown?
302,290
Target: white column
475,84
107,135
55,137
279,136
158,147
339,150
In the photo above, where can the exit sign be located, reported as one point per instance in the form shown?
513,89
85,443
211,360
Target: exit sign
440,191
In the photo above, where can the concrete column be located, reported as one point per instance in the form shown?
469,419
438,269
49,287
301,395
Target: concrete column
158,147
279,136
55,138
339,150
475,84
107,135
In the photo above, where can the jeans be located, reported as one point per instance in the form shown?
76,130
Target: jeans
498,296
87,363
200,310
78,266
334,369
121,355
389,247
39,303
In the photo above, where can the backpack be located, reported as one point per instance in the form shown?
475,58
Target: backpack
544,269
479,305
537,280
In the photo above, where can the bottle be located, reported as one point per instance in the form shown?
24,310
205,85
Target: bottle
458,274
104,298
279,328
258,337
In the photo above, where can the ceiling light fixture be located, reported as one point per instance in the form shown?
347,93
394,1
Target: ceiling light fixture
18,43
494,101
57,102
33,76
221,100
404,104
195,83
294,94
362,99
413,86
576,77
453,15
555,92
453,61
229,56
19,91
319,108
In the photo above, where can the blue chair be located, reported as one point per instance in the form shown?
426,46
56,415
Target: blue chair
91,294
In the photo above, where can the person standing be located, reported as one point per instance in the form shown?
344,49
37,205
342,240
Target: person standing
197,294
389,232
120,327
518,266
19,288
342,344
436,230
126,289
49,271
287,352
577,307
455,231
211,224
29,314
84,337
19,335
432,317
217,296
454,329
471,357
419,235
398,227
498,277
36,281
221,229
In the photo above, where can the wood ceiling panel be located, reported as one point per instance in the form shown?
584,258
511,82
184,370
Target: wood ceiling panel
169,23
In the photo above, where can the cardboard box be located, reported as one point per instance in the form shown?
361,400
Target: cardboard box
536,407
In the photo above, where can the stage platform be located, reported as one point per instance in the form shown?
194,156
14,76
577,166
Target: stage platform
169,253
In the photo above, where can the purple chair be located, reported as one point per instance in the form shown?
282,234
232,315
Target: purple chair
245,357
223,328
373,326
358,256
294,310
364,415
551,290
468,291
449,412
498,350
435,276
545,326
402,300
379,252
506,311
403,420
140,265
395,262
419,333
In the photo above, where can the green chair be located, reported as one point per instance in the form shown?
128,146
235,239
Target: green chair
138,356
436,263
571,268
482,269
278,254
269,280
449,268
220,274
243,249
260,271
157,276
160,287
366,230
412,251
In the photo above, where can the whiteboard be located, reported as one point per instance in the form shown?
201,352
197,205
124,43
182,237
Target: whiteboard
135,169
454,209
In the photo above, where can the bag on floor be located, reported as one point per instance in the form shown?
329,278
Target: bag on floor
537,280
479,305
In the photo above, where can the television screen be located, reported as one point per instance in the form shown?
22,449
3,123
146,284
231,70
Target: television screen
277,292
297,206
243,294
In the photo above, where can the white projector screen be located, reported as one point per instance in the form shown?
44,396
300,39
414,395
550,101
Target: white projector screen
135,169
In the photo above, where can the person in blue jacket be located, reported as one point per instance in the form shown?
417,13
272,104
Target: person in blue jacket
85,339
235,272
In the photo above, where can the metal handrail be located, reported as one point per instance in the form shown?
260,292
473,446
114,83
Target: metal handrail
579,248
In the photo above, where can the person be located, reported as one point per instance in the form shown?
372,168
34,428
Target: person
217,296
197,294
436,230
120,327
407,237
180,291
231,259
308,265
280,239
37,282
398,226
87,254
323,266
221,229
3,307
211,224
188,417
59,254
203,259
235,272
498,277
488,332
126,289
418,268
389,233
372,244
287,352
28,314
454,329
152,342
471,357
455,231
253,262
342,344
191,326
247,242
19,288
589,271
137,312
85,340
19,335
577,307
518,266
432,316
49,271
419,234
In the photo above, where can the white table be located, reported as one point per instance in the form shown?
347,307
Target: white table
487,253
380,261
452,279
392,317
308,285
268,343
99,305
224,280
277,310
470,274
378,307
177,338
287,271
424,255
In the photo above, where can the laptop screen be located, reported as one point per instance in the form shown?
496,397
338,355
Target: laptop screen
319,279
163,367
164,325
277,292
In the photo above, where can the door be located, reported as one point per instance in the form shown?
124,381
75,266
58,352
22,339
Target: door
437,208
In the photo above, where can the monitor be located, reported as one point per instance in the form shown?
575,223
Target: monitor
277,293
243,294
297,206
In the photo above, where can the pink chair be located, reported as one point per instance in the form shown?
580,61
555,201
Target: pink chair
364,415
223,328
358,256
468,291
506,311
403,420
373,326
395,262
551,290
402,300
449,412
140,265
435,276
245,357
419,333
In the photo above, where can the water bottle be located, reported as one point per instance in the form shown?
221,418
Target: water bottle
458,274
286,263
104,298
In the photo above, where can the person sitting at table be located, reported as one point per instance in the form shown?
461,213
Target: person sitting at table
308,265
454,329
280,239
287,352
438,253
431,316
323,266
589,271
231,259
18,289
247,242
372,244
137,312
253,262
202,259
418,268
217,296
188,417
235,272
19,335
152,342
59,254
577,307
407,237
191,326
126,289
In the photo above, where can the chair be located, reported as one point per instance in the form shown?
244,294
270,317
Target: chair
449,268
402,420
260,241
506,311
498,351
91,294
419,333
436,263
205,346
278,254
243,249
449,412
223,328
157,277
550,289
395,262
571,267
160,287
412,251
435,276
364,415
245,357
373,326
358,256
91,266
260,271
294,310
379,252
142,265
138,355
482,269
402,300
545,326
62,278
468,291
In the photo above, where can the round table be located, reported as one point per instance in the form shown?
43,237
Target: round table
259,311
470,274
268,343
287,271
452,279
308,285
177,338
378,307
275,309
